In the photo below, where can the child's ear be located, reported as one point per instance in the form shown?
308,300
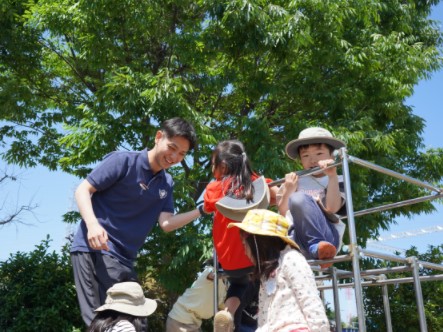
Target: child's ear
223,168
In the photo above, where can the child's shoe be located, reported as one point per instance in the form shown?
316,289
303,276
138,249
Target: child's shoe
223,321
325,250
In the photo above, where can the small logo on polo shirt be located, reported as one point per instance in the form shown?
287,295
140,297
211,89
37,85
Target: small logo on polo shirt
162,193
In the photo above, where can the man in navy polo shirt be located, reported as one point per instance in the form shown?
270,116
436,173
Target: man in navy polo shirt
120,201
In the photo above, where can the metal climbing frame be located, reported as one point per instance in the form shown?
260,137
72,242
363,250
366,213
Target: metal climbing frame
376,277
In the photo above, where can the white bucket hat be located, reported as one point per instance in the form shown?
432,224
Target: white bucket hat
127,297
312,135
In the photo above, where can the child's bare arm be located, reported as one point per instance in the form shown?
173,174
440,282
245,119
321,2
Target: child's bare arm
333,201
273,191
290,186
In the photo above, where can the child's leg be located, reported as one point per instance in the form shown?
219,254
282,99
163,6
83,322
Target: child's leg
232,304
238,286
235,298
250,312
310,225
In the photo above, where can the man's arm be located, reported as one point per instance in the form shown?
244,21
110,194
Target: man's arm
170,222
97,236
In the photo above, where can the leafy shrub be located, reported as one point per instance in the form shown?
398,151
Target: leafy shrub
37,291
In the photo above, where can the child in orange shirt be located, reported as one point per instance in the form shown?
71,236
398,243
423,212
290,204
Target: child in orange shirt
233,176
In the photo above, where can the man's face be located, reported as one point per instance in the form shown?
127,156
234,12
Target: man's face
169,151
311,155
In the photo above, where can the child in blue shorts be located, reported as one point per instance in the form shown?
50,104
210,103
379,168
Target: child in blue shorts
313,201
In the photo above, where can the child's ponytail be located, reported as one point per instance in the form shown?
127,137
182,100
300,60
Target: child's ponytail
232,154
245,178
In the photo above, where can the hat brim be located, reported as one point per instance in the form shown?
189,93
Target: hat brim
254,230
236,209
140,311
292,146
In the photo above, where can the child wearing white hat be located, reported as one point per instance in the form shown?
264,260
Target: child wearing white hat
125,309
312,202
289,300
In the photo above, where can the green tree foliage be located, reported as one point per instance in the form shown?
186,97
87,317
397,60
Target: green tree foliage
402,301
79,79
37,292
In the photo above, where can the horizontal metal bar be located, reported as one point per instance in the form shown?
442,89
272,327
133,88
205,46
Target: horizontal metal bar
343,274
393,173
384,282
430,265
389,257
336,259
395,205
305,172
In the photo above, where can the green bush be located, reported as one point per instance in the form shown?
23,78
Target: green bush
37,292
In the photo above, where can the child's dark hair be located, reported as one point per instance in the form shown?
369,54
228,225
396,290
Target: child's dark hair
105,320
232,154
268,248
305,146
180,127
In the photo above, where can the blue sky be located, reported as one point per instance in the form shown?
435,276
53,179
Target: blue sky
53,191
426,103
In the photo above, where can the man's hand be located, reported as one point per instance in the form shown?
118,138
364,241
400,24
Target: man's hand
97,237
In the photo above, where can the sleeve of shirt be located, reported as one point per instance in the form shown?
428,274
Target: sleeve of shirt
341,186
213,194
107,172
302,282
169,204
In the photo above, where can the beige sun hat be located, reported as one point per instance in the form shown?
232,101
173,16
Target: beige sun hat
127,297
265,222
312,135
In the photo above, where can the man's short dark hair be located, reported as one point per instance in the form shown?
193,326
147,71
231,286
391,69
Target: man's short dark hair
180,127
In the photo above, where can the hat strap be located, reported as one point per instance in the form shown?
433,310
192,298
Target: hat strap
258,255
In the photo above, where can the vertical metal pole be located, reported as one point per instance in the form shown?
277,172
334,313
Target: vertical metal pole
215,272
322,292
353,242
386,305
418,294
336,299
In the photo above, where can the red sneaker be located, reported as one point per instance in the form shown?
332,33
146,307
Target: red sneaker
326,251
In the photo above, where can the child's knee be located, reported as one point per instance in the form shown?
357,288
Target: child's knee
296,201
